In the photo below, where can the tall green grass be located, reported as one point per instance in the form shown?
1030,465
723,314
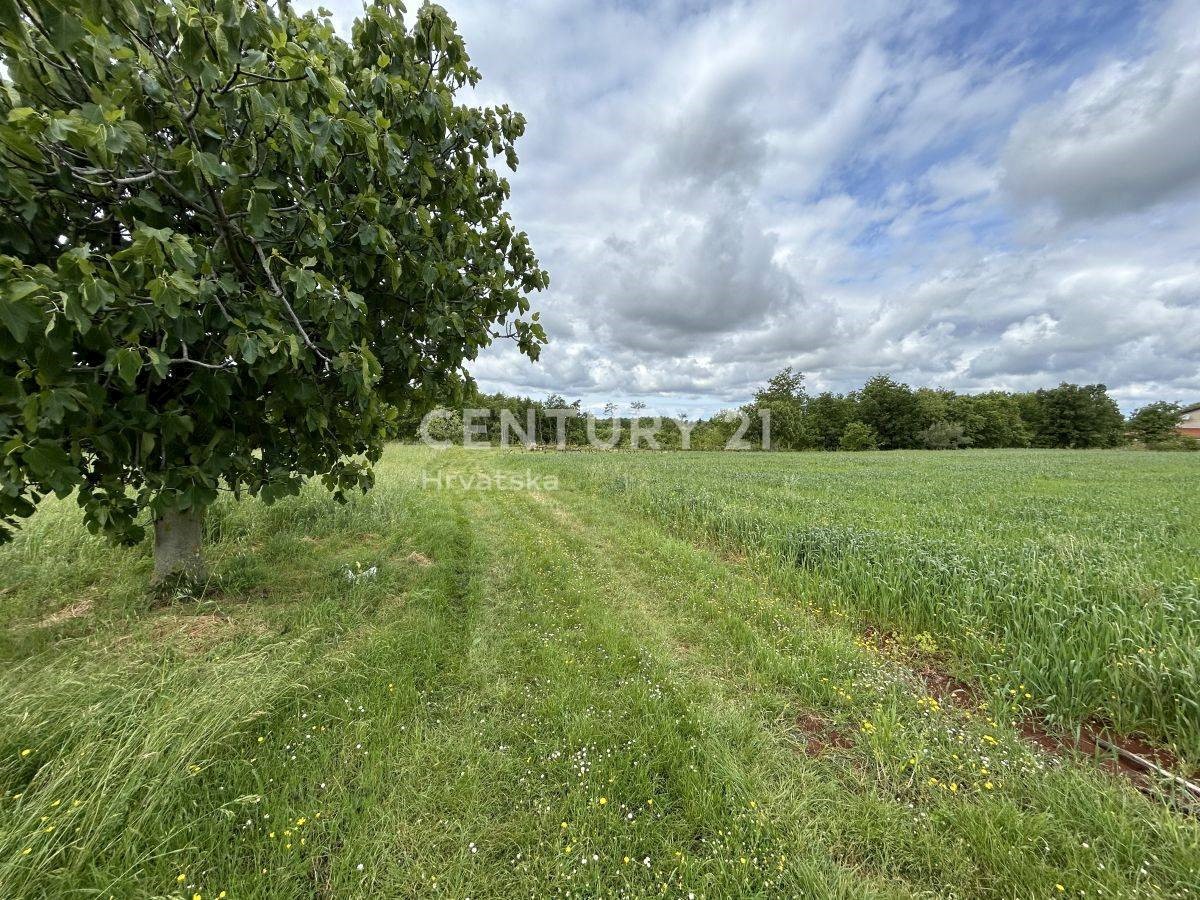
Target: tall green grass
140,749
1073,577
536,694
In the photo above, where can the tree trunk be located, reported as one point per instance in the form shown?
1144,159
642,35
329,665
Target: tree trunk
177,550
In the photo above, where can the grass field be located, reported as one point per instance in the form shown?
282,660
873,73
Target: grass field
660,679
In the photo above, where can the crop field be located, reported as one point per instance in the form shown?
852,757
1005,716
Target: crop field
619,674
1068,581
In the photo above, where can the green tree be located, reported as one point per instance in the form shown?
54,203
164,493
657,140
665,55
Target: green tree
783,398
826,417
891,410
233,245
1075,416
990,420
933,405
859,436
1155,422
716,432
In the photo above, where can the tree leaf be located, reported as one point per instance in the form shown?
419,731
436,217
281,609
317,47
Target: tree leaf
18,317
128,362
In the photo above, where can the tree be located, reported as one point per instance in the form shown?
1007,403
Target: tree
635,423
233,246
783,398
933,405
716,433
891,410
445,427
859,436
1076,416
991,419
1155,422
826,417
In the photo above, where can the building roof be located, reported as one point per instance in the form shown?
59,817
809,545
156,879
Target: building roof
1192,408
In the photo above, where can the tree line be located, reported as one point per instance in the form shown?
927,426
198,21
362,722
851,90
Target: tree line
888,415
883,414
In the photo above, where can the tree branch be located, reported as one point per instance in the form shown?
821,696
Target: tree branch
278,292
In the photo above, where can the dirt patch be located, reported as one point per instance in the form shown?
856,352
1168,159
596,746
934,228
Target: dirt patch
818,736
419,559
76,610
948,690
1152,770
199,633
926,666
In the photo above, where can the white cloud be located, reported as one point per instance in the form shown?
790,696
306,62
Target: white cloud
1121,138
722,189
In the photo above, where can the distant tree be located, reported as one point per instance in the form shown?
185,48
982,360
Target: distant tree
576,424
943,436
891,410
547,430
990,420
786,384
638,407
445,426
1075,416
232,245
859,436
715,433
933,405
1155,422
826,417
784,399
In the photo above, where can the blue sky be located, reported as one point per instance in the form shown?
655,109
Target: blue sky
968,195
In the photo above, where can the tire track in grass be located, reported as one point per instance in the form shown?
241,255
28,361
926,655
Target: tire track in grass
574,762
1047,824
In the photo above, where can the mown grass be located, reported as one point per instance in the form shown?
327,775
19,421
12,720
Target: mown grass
537,694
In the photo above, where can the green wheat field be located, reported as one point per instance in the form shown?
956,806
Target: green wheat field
669,675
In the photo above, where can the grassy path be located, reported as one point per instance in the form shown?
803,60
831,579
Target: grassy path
925,800
537,694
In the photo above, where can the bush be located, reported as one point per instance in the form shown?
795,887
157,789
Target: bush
1176,443
943,436
858,436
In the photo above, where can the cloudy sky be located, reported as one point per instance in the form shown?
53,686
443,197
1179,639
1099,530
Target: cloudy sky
970,195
